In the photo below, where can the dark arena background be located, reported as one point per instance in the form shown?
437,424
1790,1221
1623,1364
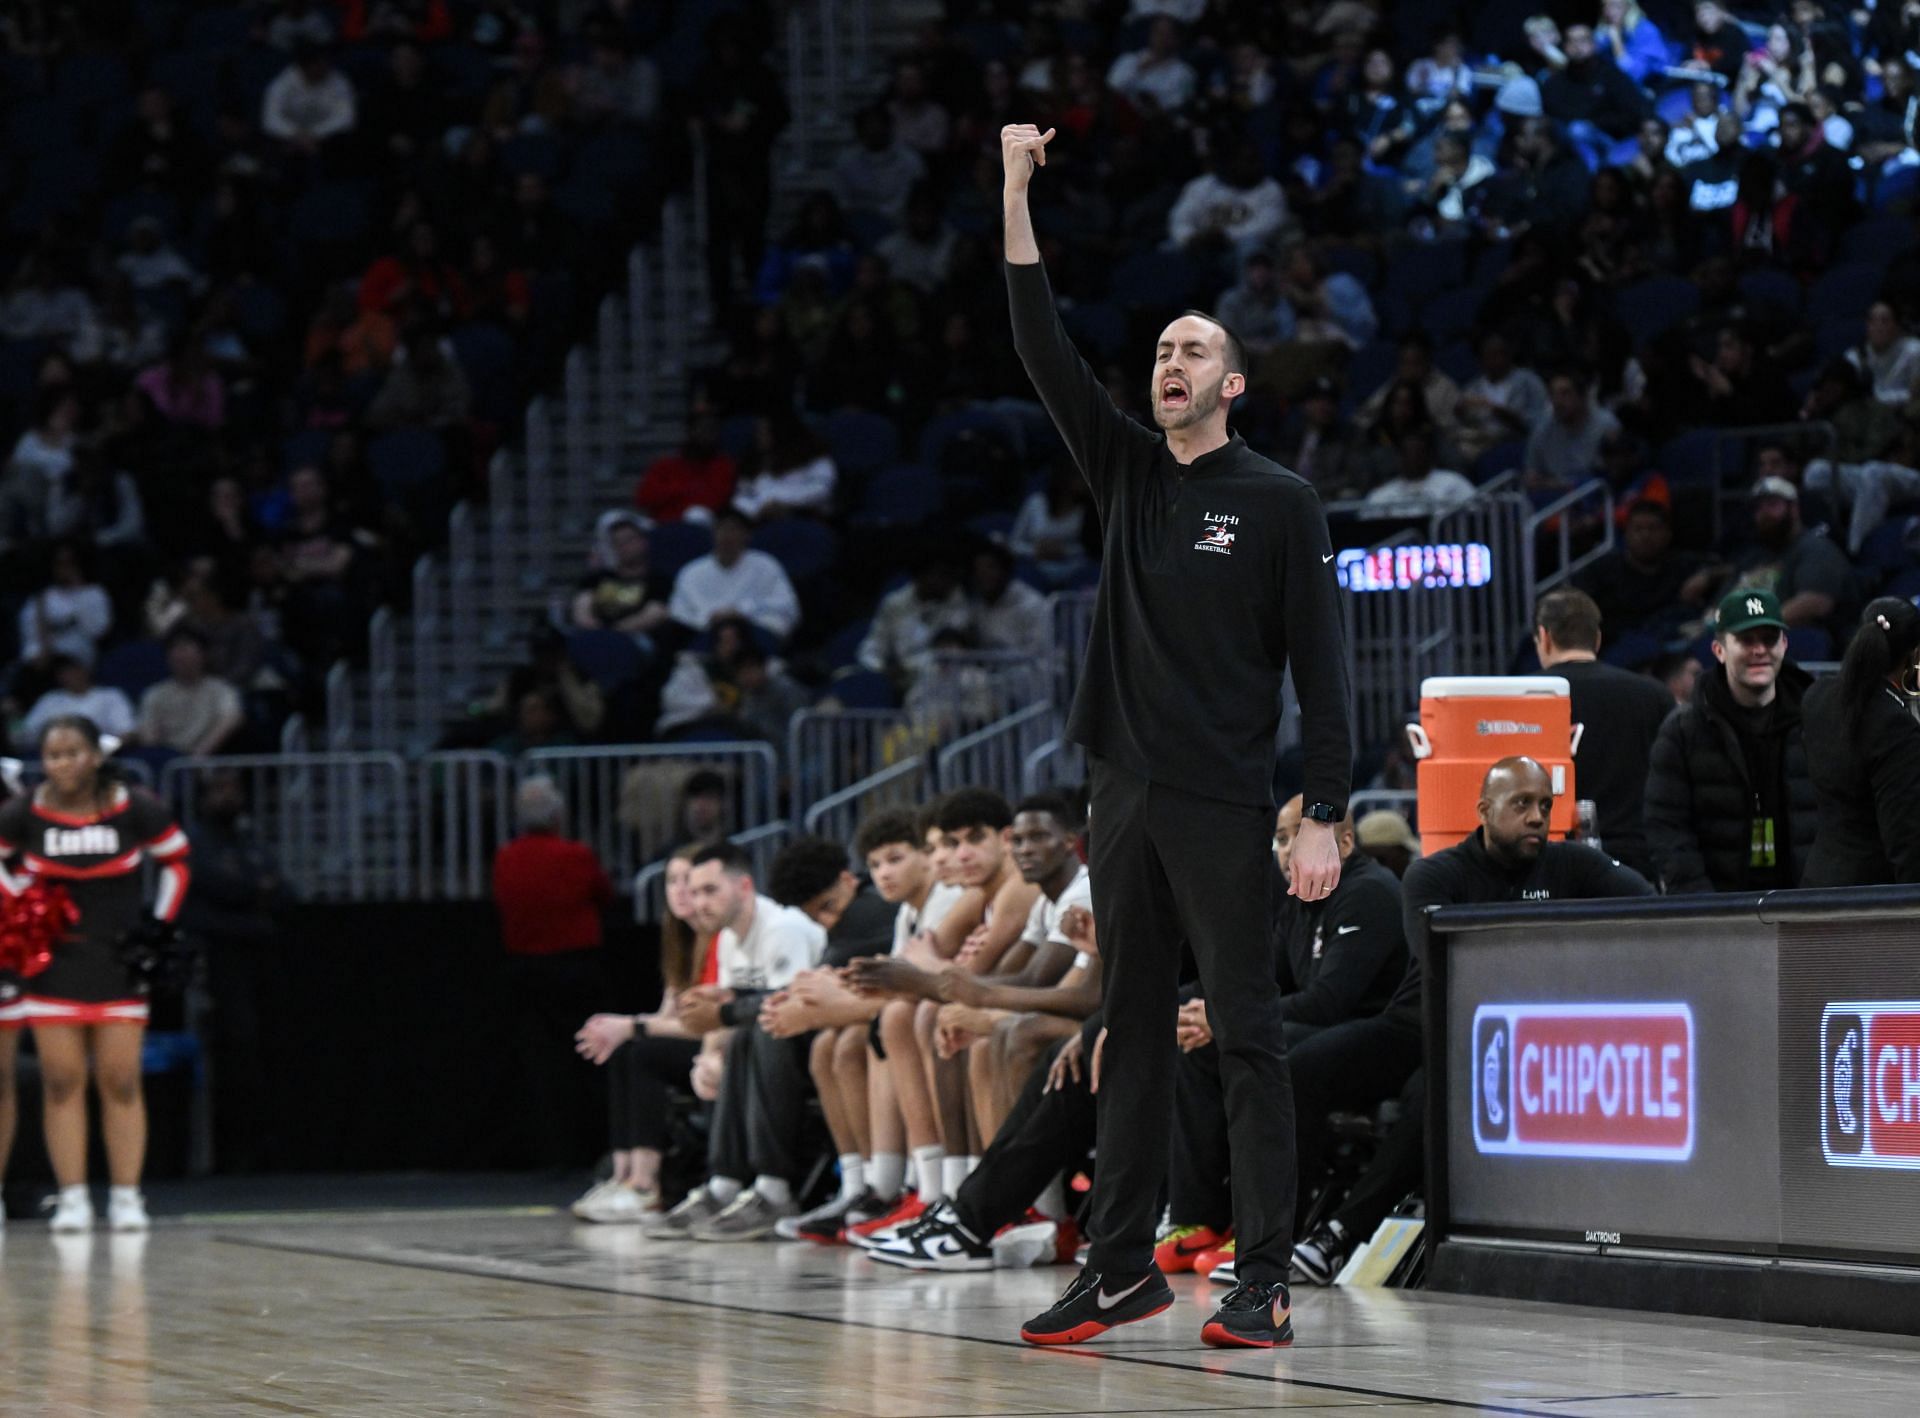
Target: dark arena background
472,460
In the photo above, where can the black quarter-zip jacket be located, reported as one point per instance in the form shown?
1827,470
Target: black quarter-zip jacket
1213,574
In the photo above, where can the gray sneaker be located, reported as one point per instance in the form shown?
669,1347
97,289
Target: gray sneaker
698,1207
751,1217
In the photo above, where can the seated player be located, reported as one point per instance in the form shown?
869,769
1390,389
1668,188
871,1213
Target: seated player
975,823
1337,959
1050,1129
762,945
1004,1024
867,1129
1356,1066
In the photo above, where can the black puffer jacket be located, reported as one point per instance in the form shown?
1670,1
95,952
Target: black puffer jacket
1700,797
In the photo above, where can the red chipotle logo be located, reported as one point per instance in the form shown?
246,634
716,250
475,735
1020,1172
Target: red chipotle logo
1870,1084
1584,1080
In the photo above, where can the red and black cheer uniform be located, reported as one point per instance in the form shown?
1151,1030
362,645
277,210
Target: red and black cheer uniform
97,857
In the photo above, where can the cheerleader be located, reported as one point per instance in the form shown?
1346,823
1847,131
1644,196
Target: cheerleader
87,830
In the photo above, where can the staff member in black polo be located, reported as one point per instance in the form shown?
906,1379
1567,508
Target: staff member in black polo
1216,568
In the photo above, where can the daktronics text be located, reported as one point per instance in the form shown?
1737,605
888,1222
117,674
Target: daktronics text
1870,1084
1584,1080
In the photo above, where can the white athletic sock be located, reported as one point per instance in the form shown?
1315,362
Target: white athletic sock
774,1190
1052,1202
889,1174
926,1170
75,1195
723,1189
953,1172
853,1174
122,1194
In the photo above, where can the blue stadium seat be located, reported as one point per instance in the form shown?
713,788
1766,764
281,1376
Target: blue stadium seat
942,430
259,311
1690,457
1877,240
607,657
1833,338
737,434
1355,261
1155,279
1676,105
20,367
464,72
673,544
406,459
486,355
1450,314
862,689
1651,307
132,667
189,75
1371,366
1501,458
534,152
1846,290
330,212
1906,584
1457,362
1885,550
805,548
219,29
993,525
1492,263
1808,642
904,495
306,447
842,647
1096,326
868,229
1420,270
1633,649
861,441
1895,191
1774,288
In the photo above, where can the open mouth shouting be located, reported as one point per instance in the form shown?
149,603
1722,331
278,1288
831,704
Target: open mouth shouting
1174,394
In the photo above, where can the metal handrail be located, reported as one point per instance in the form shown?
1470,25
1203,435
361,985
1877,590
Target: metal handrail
914,768
1594,489
340,706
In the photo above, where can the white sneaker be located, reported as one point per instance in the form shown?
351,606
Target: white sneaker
127,1213
72,1215
1026,1246
618,1205
787,1228
588,1197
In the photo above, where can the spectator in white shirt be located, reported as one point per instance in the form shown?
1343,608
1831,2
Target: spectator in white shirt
1257,310
74,692
69,617
1890,357
1503,402
921,252
43,455
39,305
149,262
309,102
735,580
1239,204
190,711
1156,75
1008,614
1420,486
920,119
877,174
899,643
1696,137
614,85
1051,527
790,471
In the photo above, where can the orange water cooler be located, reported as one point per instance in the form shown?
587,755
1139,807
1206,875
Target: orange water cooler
1469,723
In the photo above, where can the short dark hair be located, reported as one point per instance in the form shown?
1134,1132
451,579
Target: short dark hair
703,782
730,513
805,867
1650,507
974,807
927,816
186,635
884,829
1235,352
1799,110
731,855
1054,805
1571,617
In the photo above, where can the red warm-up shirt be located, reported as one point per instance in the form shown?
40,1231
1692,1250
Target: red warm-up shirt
550,891
674,483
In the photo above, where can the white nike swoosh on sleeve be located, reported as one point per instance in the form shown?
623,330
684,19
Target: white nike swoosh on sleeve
1325,559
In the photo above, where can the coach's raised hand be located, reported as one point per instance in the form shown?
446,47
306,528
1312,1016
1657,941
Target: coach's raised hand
1023,147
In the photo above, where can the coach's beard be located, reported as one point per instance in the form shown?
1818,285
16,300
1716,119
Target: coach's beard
1198,408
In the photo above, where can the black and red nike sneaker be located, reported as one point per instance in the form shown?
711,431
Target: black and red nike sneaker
1096,1303
1253,1316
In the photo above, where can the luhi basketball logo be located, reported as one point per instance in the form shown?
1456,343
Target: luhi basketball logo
1218,539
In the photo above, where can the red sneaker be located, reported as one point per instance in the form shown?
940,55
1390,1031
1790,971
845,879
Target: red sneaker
909,1209
1176,1251
1207,1261
1067,1243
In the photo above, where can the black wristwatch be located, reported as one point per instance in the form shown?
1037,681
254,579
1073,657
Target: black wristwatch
1322,812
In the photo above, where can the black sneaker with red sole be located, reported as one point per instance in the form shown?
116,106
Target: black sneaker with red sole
1096,1303
1253,1316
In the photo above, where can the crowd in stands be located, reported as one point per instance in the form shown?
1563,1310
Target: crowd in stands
275,278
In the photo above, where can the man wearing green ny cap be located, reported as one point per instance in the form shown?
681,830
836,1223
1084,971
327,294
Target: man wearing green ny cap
1728,804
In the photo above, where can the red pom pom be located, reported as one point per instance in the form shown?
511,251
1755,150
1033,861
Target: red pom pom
32,924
